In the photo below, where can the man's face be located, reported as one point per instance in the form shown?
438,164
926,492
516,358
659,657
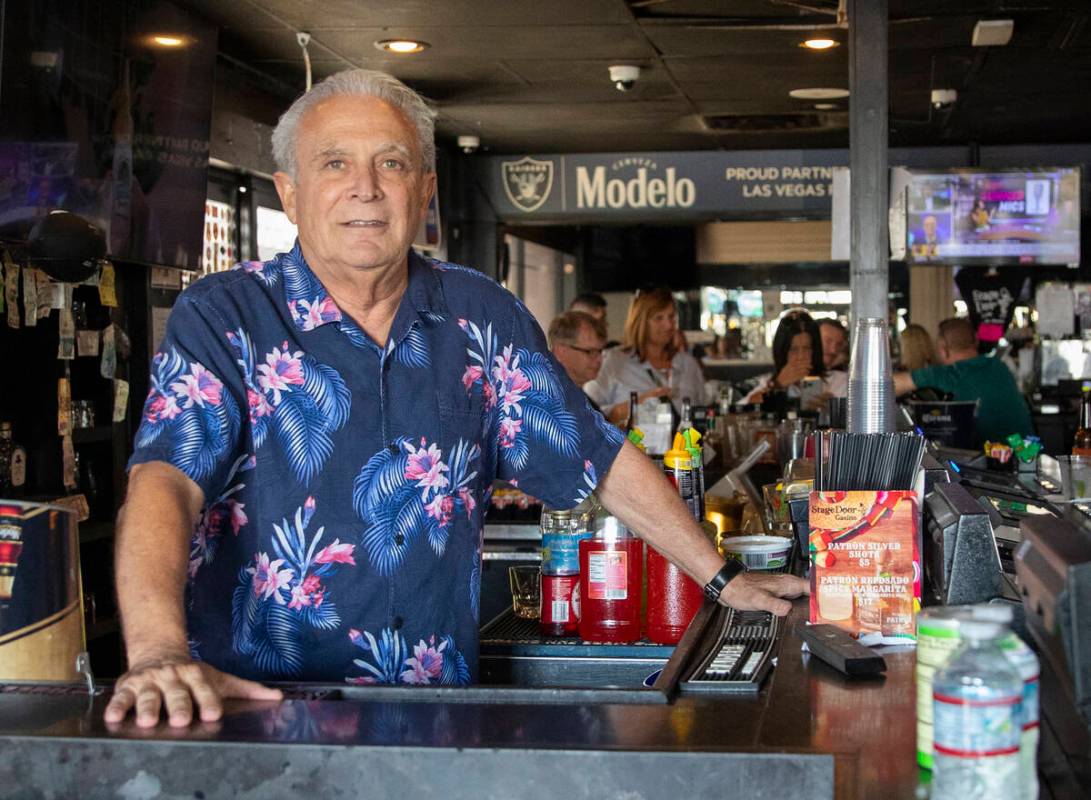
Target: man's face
359,194
930,227
583,358
835,346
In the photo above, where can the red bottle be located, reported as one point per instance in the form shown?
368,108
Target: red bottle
611,579
560,612
673,599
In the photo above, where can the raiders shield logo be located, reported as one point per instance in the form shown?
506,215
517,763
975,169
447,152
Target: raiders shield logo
527,182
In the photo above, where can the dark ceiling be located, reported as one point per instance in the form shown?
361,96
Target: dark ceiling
531,75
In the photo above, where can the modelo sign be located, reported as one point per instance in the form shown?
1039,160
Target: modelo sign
595,190
661,186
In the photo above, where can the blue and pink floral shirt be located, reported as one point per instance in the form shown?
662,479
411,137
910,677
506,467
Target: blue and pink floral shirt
346,483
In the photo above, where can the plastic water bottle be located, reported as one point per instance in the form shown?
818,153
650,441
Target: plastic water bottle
1026,664
977,712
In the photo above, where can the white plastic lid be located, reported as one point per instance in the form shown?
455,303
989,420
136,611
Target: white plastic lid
1001,614
756,544
980,630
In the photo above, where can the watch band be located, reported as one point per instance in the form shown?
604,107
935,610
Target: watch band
716,585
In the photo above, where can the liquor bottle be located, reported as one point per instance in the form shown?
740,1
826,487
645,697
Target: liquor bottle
690,441
7,450
1081,442
687,415
630,422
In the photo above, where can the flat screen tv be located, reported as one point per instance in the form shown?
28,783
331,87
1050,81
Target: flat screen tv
106,111
1014,216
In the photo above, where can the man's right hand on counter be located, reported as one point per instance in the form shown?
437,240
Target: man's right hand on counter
152,555
754,591
176,681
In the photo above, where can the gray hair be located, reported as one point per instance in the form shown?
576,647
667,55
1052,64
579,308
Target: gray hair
565,329
363,83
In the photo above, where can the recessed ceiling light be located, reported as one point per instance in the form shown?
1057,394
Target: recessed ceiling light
402,46
168,40
819,94
825,106
819,43
992,32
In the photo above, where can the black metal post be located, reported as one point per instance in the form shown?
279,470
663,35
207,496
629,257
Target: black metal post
868,134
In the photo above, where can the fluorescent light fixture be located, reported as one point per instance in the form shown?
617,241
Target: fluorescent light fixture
819,93
820,43
168,40
992,32
402,46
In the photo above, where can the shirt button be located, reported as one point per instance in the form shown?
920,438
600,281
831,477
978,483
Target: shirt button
399,539
396,623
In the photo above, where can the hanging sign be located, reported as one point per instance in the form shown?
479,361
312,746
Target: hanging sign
661,185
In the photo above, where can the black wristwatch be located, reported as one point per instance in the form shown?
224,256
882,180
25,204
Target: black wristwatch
728,571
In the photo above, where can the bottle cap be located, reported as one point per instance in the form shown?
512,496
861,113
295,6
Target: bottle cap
678,456
979,630
610,527
691,438
1001,614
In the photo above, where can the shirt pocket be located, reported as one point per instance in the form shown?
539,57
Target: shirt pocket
461,424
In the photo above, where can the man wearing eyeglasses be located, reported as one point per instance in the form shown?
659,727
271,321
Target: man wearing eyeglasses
577,341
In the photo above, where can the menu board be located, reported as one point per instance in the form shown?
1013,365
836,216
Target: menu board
865,562
1009,217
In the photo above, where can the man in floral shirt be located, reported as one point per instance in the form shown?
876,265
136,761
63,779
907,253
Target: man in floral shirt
307,494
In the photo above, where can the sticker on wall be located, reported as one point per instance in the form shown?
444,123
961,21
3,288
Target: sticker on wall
121,399
66,346
108,365
30,297
107,292
11,290
87,343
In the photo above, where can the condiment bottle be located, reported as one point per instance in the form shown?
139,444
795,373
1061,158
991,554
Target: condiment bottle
1081,442
678,464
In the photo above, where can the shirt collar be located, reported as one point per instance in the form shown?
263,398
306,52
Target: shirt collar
311,306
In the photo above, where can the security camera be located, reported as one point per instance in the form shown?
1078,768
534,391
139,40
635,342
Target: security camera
624,76
943,98
468,144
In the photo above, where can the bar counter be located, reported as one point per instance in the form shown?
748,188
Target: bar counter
809,733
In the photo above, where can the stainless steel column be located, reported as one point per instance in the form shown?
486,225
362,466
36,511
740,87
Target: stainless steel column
868,133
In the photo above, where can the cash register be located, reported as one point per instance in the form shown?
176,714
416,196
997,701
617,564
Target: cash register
1053,565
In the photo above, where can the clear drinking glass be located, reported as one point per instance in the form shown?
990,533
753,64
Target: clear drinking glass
526,590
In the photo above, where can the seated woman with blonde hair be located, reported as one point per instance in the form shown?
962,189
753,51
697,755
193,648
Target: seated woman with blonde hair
917,348
649,362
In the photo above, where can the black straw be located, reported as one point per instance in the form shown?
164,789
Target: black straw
867,461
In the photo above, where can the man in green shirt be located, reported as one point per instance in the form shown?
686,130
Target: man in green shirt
1001,409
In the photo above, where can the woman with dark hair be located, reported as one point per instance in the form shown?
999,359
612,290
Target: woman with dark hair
649,361
797,354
